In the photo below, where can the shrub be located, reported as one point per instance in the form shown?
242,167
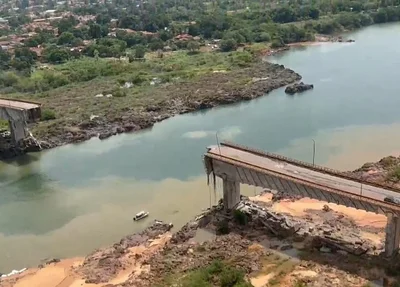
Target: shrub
241,59
394,175
227,45
277,43
138,79
262,37
193,46
240,217
388,161
8,79
140,51
118,93
216,274
230,276
48,115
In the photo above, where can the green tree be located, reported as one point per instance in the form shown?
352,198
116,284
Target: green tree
277,43
31,42
95,31
56,55
262,37
227,45
24,58
381,16
140,51
165,35
66,24
193,46
156,44
19,20
314,13
194,30
66,38
284,15
5,58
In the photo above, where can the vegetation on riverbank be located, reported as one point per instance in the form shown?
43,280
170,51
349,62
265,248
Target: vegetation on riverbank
133,64
215,274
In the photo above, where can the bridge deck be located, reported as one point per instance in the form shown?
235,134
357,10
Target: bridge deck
18,105
302,173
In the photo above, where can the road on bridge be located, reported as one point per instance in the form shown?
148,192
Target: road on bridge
302,173
18,105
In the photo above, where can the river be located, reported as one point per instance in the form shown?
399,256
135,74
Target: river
70,200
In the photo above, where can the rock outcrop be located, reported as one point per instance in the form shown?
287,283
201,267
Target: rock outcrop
8,149
298,88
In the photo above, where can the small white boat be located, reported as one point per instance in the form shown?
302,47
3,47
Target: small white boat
140,215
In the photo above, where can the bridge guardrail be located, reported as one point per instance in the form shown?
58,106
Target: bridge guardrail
300,163
385,206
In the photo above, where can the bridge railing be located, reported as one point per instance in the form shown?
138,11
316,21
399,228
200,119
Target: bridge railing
307,165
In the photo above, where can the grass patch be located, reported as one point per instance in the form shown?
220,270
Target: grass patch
48,115
175,65
3,125
216,274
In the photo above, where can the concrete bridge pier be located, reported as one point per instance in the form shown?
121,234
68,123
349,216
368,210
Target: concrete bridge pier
231,195
392,239
18,130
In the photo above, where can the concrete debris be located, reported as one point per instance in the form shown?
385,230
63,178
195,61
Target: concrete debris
334,232
92,117
14,272
255,80
128,85
325,249
99,96
326,208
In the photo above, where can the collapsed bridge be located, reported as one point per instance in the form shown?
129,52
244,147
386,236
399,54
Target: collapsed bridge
19,113
236,164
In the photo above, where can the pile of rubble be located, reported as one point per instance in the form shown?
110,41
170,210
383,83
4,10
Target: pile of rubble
332,232
181,258
8,149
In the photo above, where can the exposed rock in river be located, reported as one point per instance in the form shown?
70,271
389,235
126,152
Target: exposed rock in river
298,88
8,149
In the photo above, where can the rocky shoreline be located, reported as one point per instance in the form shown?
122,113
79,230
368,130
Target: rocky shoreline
256,235
211,90
344,244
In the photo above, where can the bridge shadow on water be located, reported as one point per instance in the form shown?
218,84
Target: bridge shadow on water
22,160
